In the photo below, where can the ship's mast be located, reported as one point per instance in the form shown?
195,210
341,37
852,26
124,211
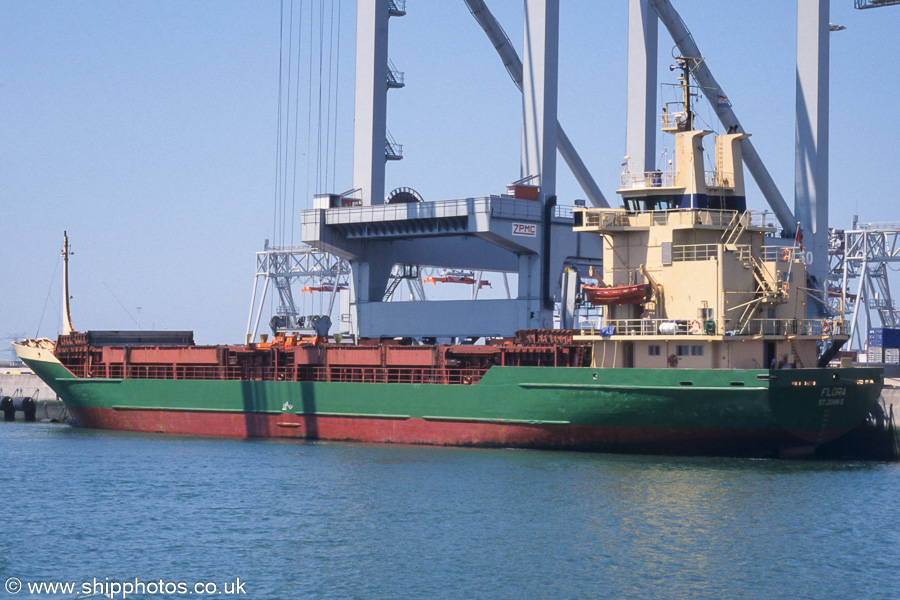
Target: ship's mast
685,79
67,314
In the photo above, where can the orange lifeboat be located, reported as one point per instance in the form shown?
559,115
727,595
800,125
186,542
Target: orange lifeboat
624,294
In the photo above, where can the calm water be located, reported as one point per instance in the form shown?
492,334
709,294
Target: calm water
325,520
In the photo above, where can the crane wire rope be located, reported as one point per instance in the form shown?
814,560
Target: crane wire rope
325,103
319,98
309,103
278,125
296,123
287,124
330,72
337,88
325,16
287,121
288,89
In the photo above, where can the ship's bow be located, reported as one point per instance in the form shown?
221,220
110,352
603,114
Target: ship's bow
819,405
38,355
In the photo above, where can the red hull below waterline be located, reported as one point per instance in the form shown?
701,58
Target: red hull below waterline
641,440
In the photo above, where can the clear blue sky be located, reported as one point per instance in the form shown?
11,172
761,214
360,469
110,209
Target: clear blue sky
148,131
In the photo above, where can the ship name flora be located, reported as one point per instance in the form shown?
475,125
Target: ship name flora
525,229
832,396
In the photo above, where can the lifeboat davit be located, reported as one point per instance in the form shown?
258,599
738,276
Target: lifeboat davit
623,294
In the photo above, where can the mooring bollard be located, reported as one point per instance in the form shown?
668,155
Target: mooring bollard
10,404
6,405
27,406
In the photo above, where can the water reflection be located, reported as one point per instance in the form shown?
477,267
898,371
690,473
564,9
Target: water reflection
326,520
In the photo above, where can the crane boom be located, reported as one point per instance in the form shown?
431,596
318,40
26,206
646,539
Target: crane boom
710,87
513,65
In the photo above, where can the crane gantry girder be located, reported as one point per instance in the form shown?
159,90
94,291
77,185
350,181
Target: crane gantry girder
286,266
873,3
861,259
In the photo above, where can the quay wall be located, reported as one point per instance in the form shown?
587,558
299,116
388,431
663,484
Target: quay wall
20,381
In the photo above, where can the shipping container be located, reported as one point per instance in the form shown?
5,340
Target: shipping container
875,337
875,354
892,355
884,337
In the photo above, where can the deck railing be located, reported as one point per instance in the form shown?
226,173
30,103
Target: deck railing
341,374
496,206
683,216
689,327
715,179
651,179
647,179
782,253
689,252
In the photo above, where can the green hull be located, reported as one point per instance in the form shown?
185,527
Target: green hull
671,411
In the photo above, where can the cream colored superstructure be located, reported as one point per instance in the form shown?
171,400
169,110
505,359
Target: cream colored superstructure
724,291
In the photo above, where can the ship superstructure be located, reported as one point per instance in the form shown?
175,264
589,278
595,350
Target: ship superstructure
715,287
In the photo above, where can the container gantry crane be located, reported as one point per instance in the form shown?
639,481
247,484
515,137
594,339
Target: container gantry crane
873,3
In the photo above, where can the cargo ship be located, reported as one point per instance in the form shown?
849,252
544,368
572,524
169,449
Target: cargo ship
705,347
